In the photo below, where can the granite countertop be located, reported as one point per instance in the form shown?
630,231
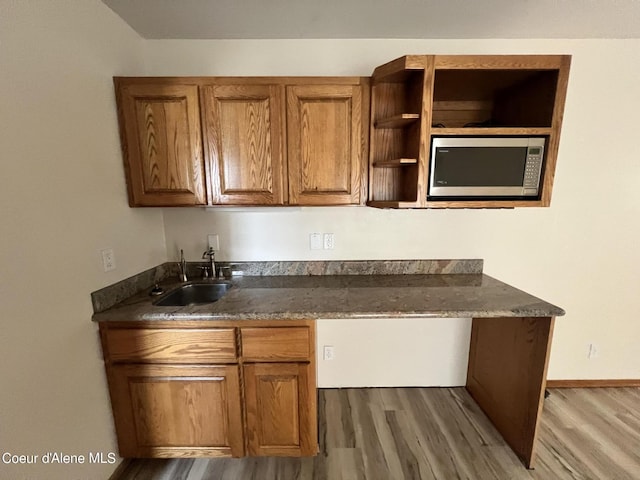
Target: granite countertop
345,296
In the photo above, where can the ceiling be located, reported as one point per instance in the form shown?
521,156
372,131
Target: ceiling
269,19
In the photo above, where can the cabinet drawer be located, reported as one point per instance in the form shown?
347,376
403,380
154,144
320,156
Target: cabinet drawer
276,344
173,345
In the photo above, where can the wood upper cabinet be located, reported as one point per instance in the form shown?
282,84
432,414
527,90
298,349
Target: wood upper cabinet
325,144
262,140
161,142
417,98
177,411
243,143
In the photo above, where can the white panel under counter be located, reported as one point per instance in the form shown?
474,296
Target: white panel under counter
393,352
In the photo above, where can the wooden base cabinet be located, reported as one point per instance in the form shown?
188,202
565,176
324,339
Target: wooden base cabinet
280,419
185,389
177,410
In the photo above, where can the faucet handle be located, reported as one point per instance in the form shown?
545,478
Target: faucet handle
205,271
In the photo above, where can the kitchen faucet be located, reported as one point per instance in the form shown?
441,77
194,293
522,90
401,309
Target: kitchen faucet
212,264
182,265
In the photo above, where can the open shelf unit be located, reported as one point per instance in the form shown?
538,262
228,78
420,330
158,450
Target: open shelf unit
398,125
417,97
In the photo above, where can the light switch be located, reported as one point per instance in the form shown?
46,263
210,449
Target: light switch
214,241
315,241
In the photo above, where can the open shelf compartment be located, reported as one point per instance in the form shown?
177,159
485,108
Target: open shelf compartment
396,130
494,98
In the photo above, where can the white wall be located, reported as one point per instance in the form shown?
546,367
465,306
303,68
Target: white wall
62,199
581,254
393,352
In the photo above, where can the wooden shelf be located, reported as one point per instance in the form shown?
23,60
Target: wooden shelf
392,204
398,121
396,162
491,131
497,204
399,70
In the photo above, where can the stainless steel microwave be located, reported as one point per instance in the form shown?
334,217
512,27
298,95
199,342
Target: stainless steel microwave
486,167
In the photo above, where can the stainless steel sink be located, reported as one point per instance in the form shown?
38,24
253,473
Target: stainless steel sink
194,294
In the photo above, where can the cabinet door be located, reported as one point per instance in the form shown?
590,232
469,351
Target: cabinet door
177,411
280,409
325,144
161,144
243,138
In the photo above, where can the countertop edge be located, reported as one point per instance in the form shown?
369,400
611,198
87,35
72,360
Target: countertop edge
157,316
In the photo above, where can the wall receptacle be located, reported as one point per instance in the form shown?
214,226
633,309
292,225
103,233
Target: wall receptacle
329,241
328,352
108,259
592,351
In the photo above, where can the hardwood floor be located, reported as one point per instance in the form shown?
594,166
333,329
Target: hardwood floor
441,434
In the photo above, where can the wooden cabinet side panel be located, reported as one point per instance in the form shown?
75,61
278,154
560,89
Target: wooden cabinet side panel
556,127
425,138
172,410
161,143
508,361
243,143
325,144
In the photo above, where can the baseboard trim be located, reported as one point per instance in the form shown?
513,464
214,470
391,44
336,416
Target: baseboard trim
592,383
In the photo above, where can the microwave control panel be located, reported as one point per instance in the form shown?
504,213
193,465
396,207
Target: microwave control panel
532,169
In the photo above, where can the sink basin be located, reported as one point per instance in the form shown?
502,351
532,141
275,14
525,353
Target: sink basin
194,294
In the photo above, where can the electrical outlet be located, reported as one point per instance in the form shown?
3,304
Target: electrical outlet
328,353
108,259
592,351
213,241
329,241
315,241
